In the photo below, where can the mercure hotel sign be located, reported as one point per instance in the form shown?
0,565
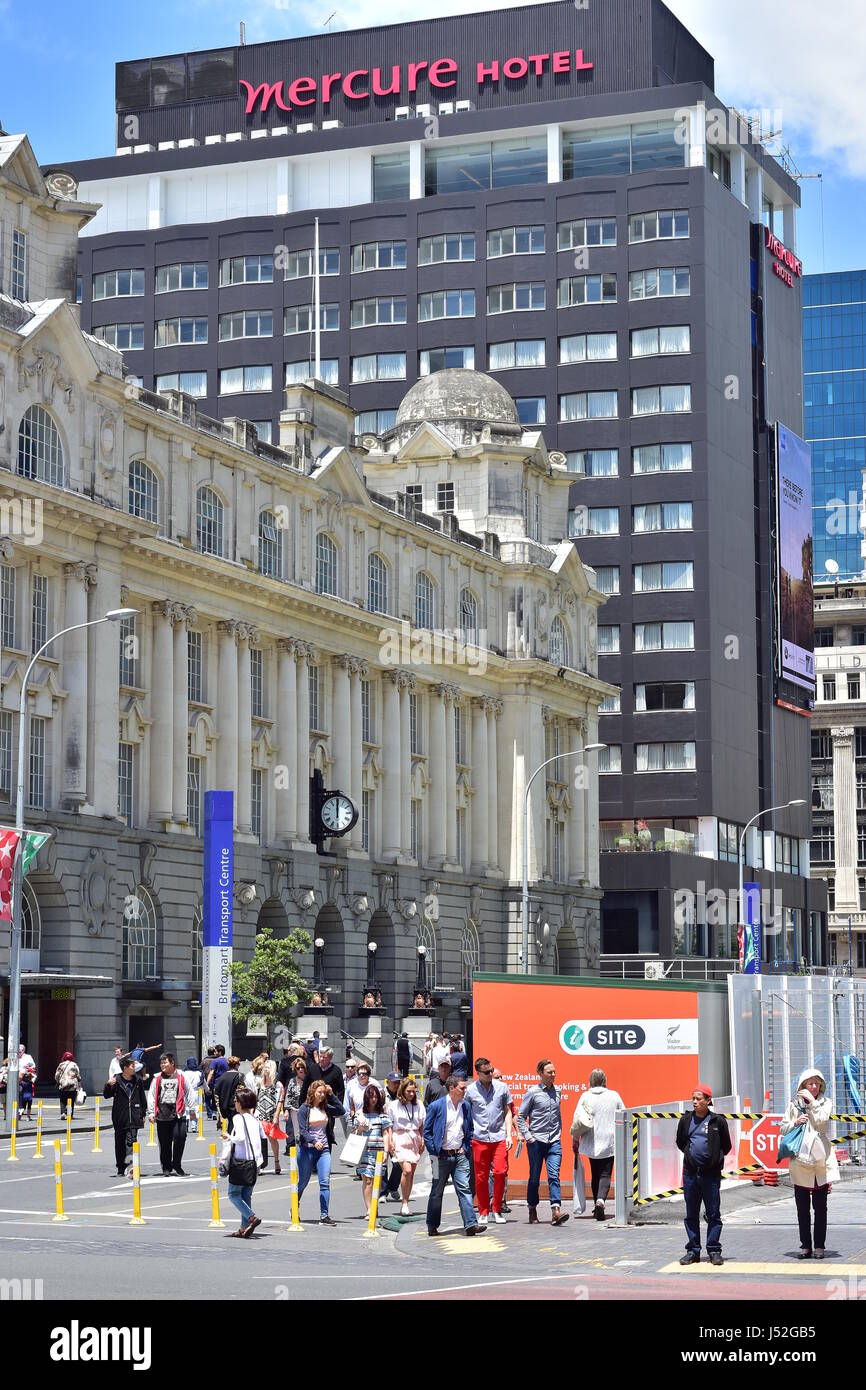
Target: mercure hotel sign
401,80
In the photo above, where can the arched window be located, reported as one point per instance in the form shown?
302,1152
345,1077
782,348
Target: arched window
326,565
558,643
31,921
427,939
470,957
139,936
208,522
270,546
143,492
377,585
468,618
40,453
425,601
197,945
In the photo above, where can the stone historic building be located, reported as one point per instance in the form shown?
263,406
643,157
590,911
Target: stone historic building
401,612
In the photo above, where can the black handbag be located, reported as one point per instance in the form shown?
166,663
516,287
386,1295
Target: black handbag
243,1171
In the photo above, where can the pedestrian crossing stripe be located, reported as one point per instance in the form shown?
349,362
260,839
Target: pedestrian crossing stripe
825,1270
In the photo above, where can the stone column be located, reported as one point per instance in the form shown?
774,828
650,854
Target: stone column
80,578
450,765
480,773
579,774
494,709
161,704
845,820
408,686
436,796
181,617
246,636
391,751
306,653
227,710
286,795
359,671
103,685
342,723
592,830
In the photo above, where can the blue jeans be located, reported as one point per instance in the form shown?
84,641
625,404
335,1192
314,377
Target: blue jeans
240,1198
700,1187
456,1167
320,1161
540,1154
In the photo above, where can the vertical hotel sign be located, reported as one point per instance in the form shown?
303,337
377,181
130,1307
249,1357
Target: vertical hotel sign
218,920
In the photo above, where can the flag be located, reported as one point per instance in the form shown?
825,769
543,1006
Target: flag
32,845
8,846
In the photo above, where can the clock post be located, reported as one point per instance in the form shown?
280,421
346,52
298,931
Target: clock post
332,813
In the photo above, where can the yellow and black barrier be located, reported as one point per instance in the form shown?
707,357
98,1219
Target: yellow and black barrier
725,1115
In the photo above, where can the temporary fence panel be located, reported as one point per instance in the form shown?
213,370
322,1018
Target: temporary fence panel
660,1161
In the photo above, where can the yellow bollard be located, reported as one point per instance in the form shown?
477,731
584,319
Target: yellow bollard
200,1135
136,1187
295,1224
151,1143
39,1153
225,1126
12,1156
214,1190
96,1149
374,1201
69,1126
58,1183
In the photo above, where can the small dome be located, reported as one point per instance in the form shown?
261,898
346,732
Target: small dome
457,394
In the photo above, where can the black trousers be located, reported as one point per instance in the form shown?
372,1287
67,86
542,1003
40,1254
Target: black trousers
600,1170
806,1198
68,1094
172,1139
393,1183
124,1138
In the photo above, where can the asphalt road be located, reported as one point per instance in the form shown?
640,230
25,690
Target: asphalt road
99,1255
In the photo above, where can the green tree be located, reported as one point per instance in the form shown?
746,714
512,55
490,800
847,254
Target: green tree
270,985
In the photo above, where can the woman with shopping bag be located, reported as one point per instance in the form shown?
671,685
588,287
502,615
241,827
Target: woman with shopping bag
813,1165
593,1131
269,1108
67,1078
241,1160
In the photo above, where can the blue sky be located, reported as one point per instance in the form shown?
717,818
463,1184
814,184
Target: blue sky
57,77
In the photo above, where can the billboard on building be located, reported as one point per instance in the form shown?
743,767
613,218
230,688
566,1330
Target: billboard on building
795,645
218,917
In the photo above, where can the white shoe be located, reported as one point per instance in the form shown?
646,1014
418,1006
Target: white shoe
499,1218
480,1220
404,1210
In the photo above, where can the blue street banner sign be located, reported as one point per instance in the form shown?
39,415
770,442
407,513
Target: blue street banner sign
752,941
217,919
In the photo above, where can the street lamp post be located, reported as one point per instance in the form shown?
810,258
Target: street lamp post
798,801
113,616
574,753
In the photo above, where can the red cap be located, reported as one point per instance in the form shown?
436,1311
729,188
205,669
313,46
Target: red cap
705,1089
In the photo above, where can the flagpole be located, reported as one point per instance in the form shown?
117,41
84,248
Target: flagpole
12,1083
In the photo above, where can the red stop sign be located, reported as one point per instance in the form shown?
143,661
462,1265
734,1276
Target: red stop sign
764,1142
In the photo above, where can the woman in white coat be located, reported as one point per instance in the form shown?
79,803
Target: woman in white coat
815,1166
592,1134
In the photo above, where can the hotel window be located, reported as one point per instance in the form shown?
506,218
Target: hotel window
128,651
129,337
587,347
414,744
315,723
425,602
40,453
377,585
854,687
459,749
515,241
446,304
366,798
508,299
586,289
388,309
660,342
300,318
36,781
666,283
366,712
6,755
454,168
729,841
118,284
375,421
558,656
662,458
329,371
621,150
595,521
379,255
186,275
674,695
610,758
235,381
594,463
661,516
445,497
667,576
661,400
829,684
257,683
450,246
586,231
658,226
664,757
125,782
531,410
588,405
390,177
7,606
468,617
608,639
193,793
524,352
610,705
256,803
192,383
788,854
607,578
174,332
326,565
662,637
39,613
247,323
299,264
18,281
719,165
379,366
194,667
270,559
209,522
247,270
437,359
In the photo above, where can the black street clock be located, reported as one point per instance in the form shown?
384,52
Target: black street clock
332,813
